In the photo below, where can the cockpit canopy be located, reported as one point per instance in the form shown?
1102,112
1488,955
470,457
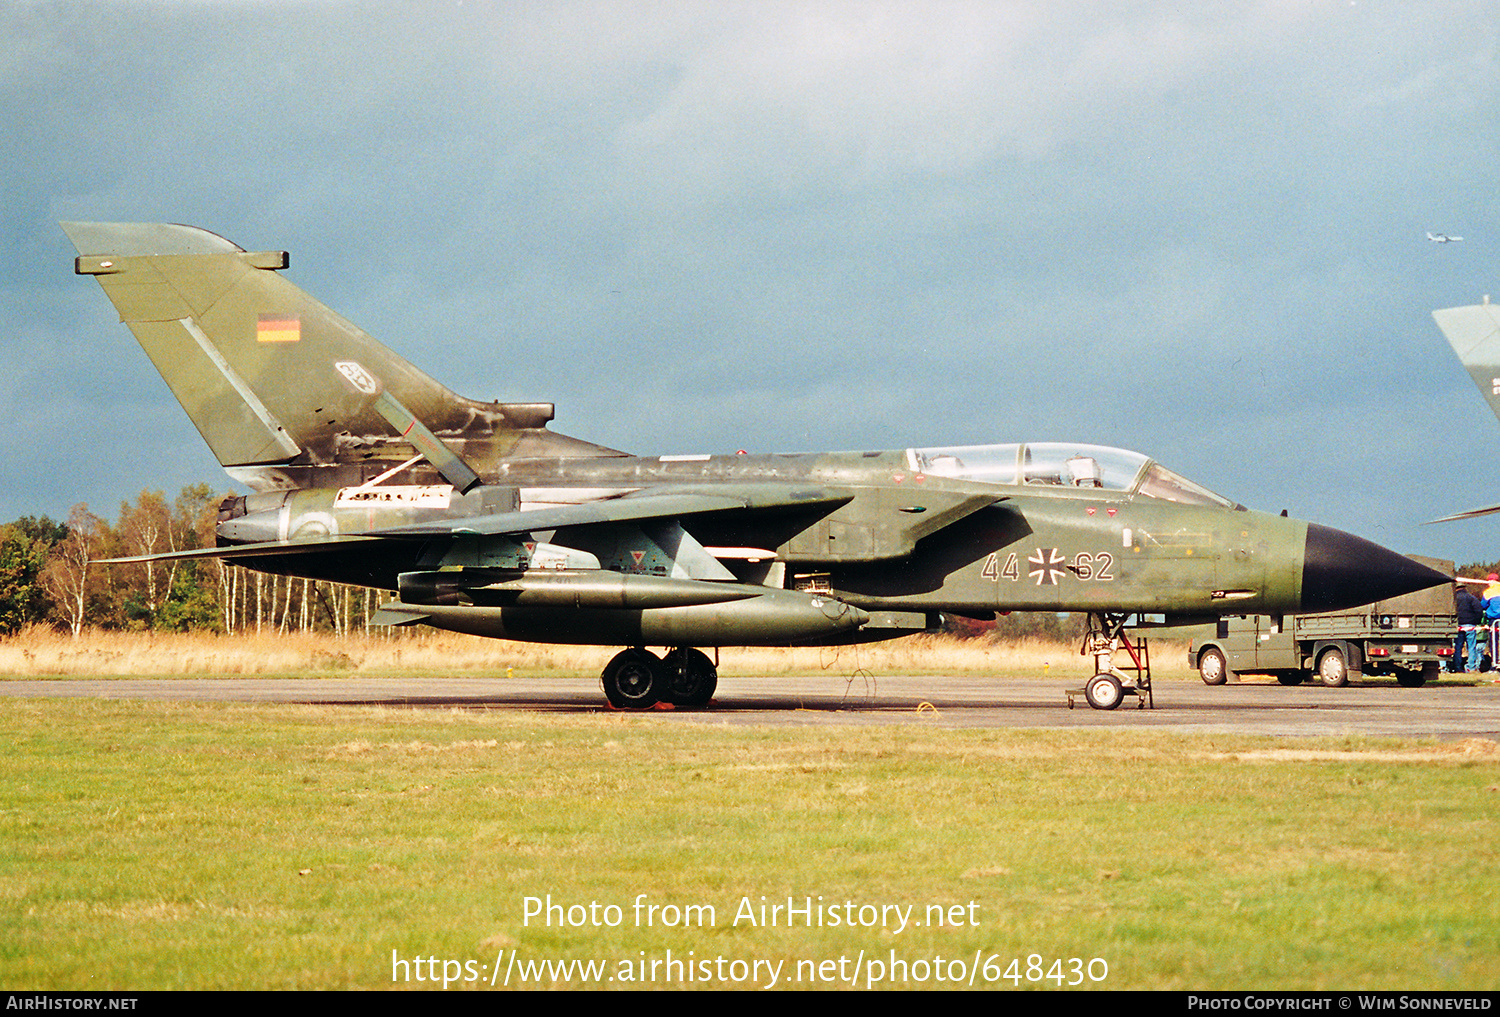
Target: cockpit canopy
1054,464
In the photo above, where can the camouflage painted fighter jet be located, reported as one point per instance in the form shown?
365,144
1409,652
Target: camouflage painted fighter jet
482,520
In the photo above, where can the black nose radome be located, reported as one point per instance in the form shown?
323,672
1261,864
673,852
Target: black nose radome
1340,570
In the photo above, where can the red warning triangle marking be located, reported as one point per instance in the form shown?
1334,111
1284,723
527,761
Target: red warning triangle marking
638,555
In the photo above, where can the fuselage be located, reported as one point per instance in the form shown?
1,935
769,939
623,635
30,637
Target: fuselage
973,530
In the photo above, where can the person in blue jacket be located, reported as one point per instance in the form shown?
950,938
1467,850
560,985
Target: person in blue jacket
1470,611
1492,614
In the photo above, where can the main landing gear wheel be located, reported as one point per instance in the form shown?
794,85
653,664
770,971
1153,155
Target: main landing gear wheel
1213,668
1104,692
634,680
691,677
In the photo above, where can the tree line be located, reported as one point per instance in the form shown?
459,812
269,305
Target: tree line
50,575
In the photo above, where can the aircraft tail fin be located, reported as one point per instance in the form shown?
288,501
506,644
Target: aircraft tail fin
286,392
1474,334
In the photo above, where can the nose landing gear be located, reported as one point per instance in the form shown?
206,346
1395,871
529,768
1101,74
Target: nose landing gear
1111,684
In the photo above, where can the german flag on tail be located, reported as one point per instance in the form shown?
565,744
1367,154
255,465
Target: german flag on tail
278,328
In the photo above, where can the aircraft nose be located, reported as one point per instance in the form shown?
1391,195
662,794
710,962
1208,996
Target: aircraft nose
1340,570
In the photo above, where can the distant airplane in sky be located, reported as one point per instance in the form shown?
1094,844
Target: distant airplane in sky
1442,238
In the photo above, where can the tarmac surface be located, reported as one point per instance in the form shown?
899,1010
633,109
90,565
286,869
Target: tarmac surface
1251,707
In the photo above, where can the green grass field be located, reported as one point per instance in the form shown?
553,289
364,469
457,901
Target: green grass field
163,846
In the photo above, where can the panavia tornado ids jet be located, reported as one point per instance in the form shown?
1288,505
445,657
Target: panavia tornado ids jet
482,520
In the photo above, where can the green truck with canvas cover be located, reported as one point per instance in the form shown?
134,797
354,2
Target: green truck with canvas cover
1408,637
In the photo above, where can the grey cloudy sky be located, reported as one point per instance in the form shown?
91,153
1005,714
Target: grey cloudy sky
1195,230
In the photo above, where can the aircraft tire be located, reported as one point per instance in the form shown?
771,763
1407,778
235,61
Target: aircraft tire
691,677
1332,669
1212,667
1103,692
633,680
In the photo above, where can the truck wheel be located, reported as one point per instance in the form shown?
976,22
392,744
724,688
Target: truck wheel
1212,667
1294,678
1410,679
1332,671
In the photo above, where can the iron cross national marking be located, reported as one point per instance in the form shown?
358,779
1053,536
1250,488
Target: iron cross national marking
1048,566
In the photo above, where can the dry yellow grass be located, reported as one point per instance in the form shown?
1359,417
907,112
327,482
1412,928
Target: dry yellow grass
42,651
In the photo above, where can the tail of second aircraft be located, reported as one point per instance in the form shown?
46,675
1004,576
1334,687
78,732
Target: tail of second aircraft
286,392
1474,334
